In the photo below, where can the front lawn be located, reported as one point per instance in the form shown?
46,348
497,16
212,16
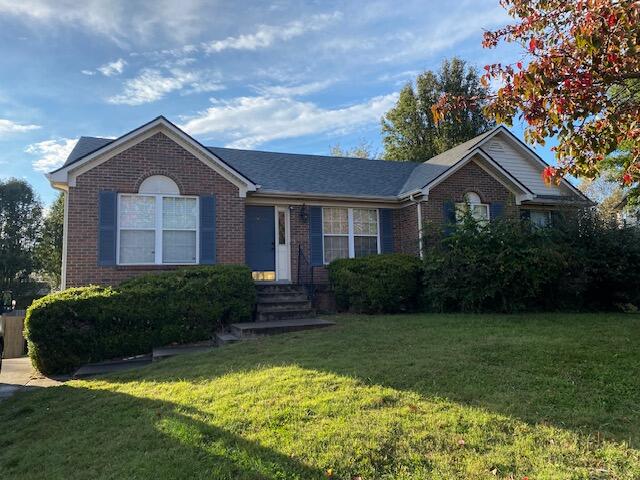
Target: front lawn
402,397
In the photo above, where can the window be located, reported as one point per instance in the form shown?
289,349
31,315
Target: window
349,232
157,228
540,218
473,204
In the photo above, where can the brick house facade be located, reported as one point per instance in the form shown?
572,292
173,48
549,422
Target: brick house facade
354,207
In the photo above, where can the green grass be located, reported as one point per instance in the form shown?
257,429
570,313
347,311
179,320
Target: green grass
406,397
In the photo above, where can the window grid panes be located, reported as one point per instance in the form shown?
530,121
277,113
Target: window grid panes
157,229
472,205
349,232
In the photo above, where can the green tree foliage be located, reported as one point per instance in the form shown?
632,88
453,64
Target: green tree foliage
20,223
364,149
409,130
49,248
577,81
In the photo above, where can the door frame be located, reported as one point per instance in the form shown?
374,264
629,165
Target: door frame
287,233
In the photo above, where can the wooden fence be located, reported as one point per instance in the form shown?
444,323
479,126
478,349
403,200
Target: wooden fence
14,343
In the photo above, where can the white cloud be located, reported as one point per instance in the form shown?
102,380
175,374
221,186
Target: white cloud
250,121
88,72
266,35
295,90
122,21
51,153
112,68
7,127
152,85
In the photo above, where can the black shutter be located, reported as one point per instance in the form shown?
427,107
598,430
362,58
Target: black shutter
496,210
386,230
107,227
207,230
525,215
315,235
449,216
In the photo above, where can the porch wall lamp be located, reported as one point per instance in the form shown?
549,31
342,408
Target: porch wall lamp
304,213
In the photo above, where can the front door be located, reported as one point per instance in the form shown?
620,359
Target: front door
283,250
260,233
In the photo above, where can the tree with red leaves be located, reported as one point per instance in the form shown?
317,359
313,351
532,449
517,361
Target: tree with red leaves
578,81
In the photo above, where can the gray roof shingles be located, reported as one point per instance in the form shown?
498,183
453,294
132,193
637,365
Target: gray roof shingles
317,174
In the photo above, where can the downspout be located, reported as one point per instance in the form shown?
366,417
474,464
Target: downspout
419,213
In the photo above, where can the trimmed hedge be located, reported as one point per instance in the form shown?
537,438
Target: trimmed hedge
376,284
88,324
582,263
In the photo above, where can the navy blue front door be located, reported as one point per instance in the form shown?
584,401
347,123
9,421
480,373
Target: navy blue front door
260,235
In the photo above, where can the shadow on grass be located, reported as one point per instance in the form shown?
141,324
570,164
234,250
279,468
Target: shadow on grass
576,372
105,434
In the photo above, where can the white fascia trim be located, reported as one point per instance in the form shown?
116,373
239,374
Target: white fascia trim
299,195
68,175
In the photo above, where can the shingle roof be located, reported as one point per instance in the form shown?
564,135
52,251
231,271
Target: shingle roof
85,146
317,174
453,155
287,172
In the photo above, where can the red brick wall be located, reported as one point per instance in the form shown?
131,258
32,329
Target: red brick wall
470,178
405,229
300,238
157,155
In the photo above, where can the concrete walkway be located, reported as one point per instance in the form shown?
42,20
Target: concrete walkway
18,374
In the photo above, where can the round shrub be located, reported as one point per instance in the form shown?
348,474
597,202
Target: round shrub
89,324
377,283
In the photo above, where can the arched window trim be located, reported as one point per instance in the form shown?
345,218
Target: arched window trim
159,184
472,203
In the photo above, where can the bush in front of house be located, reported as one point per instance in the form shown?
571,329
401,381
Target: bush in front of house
87,324
387,283
504,266
583,262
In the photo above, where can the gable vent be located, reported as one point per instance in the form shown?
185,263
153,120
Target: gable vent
494,145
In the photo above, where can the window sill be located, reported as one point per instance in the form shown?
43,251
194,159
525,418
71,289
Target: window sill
154,266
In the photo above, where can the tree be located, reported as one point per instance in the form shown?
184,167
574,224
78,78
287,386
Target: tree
49,248
580,83
20,222
363,149
409,129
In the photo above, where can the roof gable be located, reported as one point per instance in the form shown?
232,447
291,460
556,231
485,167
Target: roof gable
92,151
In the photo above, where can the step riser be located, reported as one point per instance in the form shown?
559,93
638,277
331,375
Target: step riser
280,297
280,289
247,333
284,306
285,315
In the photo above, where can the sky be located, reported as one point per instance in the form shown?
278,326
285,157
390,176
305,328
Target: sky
292,76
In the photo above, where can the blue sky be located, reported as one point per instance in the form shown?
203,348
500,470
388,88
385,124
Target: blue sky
296,76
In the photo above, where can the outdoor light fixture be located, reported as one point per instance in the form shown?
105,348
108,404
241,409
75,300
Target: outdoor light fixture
304,214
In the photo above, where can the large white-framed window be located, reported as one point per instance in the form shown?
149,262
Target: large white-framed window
473,205
350,232
157,229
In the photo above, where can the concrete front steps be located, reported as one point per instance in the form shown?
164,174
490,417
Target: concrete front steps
281,308
282,302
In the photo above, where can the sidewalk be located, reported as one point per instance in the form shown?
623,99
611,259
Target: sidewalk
18,374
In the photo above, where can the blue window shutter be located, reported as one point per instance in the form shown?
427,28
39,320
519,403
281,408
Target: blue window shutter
315,235
208,230
386,230
107,225
496,210
449,216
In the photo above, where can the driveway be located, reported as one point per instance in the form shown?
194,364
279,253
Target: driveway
18,374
